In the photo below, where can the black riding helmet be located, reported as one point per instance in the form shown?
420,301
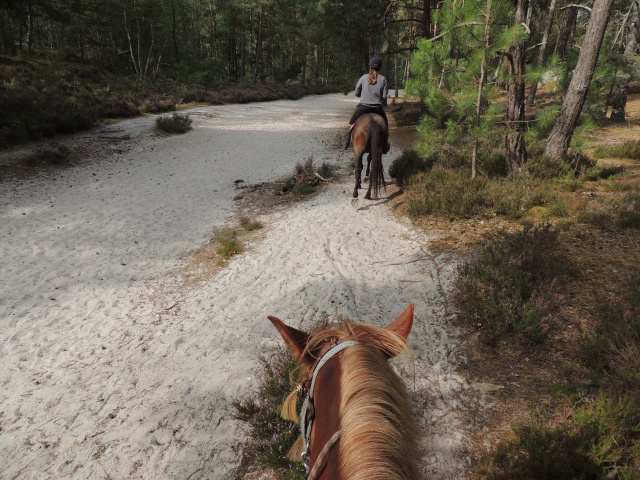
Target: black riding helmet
375,63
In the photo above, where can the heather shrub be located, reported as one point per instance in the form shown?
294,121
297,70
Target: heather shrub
445,193
59,155
510,287
598,439
612,339
270,436
407,165
492,163
622,211
176,123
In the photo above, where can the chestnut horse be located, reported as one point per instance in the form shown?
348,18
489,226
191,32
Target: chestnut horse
369,135
355,421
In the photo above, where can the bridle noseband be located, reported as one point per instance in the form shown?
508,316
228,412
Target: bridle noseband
307,413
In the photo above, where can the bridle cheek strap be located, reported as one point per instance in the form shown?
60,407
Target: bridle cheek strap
305,425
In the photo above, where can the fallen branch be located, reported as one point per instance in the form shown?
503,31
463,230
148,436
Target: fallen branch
318,175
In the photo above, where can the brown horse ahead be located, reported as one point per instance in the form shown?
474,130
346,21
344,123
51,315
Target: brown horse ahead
356,422
369,135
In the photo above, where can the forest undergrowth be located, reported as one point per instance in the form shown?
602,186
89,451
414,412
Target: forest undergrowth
547,293
43,98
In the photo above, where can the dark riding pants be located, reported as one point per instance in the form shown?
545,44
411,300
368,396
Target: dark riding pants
362,109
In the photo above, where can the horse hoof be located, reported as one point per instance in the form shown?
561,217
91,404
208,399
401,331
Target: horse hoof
367,196
354,202
366,179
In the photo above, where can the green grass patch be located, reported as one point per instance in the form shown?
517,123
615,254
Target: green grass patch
227,241
510,287
250,225
630,149
176,123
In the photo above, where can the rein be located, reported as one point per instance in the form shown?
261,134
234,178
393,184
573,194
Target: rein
307,413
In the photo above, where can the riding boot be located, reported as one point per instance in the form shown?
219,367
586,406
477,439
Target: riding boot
347,139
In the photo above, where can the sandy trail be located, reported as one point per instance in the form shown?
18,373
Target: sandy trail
100,380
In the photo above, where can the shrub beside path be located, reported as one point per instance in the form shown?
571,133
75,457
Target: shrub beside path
111,369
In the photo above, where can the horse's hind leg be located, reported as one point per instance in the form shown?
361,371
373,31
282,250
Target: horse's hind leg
366,175
358,161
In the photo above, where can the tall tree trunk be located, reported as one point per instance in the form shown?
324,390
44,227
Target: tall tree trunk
395,74
243,50
426,19
483,66
258,44
304,63
514,140
619,100
174,33
543,47
566,32
562,131
30,32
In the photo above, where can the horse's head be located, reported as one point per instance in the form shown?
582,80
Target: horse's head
307,348
352,397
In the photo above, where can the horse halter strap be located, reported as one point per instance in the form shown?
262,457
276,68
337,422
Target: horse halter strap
305,426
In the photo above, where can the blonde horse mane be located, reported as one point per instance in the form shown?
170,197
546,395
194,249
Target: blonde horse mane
380,435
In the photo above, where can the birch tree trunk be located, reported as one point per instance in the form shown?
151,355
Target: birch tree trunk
560,137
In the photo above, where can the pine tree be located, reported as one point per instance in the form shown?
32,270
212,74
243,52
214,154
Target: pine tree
454,75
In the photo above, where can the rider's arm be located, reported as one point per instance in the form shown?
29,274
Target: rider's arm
359,87
385,92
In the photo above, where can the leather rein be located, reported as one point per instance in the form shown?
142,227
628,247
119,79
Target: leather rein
307,413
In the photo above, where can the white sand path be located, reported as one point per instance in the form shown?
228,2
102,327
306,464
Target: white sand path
97,380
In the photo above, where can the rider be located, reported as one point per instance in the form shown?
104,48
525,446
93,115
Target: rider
372,89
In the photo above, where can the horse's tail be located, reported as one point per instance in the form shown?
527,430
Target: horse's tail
376,177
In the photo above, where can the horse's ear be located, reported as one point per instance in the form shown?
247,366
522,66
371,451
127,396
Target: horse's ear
295,339
402,324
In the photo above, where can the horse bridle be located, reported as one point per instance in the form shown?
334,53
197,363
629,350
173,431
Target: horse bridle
307,413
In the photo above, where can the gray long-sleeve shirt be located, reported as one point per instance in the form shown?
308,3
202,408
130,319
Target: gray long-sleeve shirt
372,95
